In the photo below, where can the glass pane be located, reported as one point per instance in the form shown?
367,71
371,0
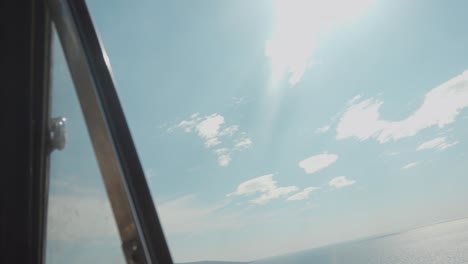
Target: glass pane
274,126
81,227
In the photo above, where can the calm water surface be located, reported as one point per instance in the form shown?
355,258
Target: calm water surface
444,243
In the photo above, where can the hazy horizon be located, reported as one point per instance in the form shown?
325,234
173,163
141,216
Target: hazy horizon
368,237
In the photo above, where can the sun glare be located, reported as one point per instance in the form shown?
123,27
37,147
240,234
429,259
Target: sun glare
297,25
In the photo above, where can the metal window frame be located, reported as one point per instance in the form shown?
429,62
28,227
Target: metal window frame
134,211
25,27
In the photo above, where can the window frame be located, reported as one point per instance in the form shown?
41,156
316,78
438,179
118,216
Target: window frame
26,29
139,227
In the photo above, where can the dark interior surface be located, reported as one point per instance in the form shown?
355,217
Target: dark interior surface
24,30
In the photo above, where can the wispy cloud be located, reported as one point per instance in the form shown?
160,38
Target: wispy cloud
354,99
238,101
213,131
243,143
340,182
318,162
439,143
323,129
208,128
303,195
224,160
409,165
264,185
440,107
184,215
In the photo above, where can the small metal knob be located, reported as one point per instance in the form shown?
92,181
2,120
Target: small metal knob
57,133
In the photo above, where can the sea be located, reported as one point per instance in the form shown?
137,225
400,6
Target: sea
443,243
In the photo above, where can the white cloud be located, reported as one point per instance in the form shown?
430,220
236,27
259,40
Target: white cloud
361,121
440,107
354,99
317,162
340,182
409,165
264,185
222,151
259,184
211,142
229,131
188,125
323,129
273,194
212,130
243,143
297,26
224,154
224,160
209,128
439,143
304,194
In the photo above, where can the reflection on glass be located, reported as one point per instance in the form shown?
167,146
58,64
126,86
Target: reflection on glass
81,227
271,127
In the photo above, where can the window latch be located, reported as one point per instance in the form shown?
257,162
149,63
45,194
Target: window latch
57,133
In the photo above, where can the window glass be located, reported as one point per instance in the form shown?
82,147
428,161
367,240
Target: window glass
271,127
80,227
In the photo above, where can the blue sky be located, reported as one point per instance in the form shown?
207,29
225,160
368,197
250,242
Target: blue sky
266,127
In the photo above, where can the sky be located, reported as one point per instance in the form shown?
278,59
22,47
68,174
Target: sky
267,127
